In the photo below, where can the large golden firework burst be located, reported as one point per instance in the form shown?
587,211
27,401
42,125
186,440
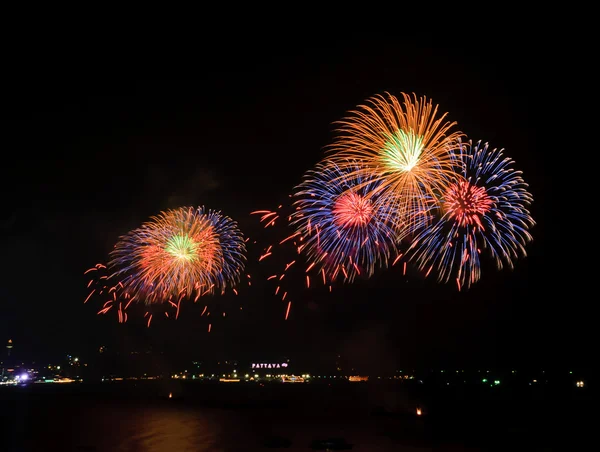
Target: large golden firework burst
407,146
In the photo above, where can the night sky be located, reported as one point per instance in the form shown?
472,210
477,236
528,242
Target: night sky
93,148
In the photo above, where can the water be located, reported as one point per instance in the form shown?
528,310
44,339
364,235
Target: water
237,417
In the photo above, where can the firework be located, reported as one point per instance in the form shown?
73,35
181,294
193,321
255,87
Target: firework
344,229
406,147
179,254
486,212
185,251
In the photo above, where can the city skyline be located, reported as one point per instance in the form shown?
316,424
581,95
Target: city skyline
106,364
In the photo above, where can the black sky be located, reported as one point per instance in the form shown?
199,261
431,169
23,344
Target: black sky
93,147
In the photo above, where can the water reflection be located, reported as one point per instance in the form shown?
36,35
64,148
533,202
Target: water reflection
171,429
219,418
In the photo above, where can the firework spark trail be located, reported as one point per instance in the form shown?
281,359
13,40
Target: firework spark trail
487,212
279,250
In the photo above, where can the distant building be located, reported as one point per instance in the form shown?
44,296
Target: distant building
358,378
292,379
8,364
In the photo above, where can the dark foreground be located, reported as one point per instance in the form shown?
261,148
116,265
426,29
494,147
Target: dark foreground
372,417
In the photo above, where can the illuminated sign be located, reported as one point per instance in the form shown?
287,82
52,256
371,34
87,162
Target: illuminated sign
269,365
